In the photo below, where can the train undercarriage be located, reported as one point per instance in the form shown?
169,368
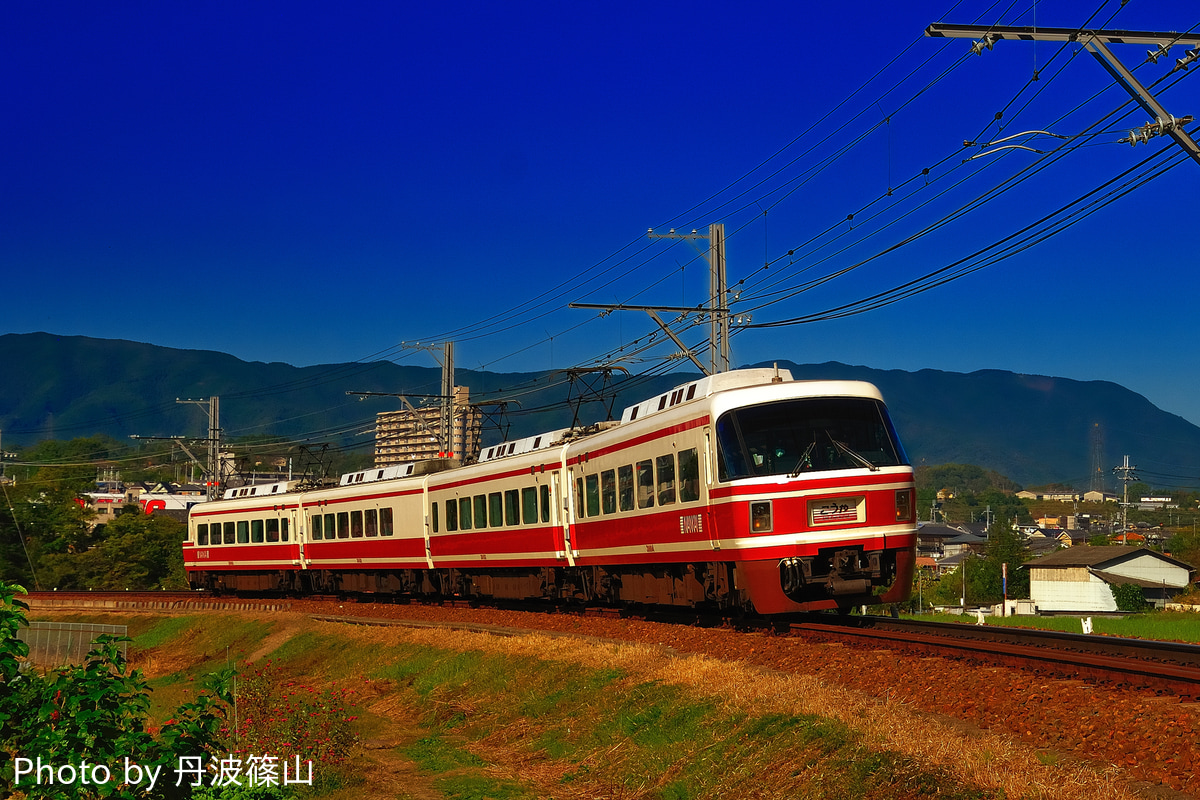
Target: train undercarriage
838,577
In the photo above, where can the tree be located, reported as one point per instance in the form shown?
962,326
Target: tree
137,551
1185,545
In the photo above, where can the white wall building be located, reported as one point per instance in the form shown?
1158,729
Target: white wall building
1078,579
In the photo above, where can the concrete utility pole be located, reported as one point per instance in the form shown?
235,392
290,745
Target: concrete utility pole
1096,43
1127,477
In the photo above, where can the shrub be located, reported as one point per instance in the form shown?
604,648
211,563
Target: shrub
94,713
1128,597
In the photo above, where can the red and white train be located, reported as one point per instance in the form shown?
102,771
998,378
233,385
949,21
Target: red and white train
745,489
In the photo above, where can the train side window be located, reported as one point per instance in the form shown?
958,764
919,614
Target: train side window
666,479
464,513
495,510
645,484
625,487
689,475
433,516
512,511
451,515
529,505
283,529
481,511
343,524
371,522
256,531
591,485
385,522
202,534
330,531
579,497
545,503
314,527
608,491
229,533
243,532
356,526
273,529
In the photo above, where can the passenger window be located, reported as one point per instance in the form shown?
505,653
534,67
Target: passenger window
371,522
464,513
689,476
273,529
512,512
229,533
592,492
283,528
202,534
330,530
481,511
433,513
495,510
666,479
343,525
625,487
529,506
356,528
545,503
243,532
256,531
579,497
608,491
451,515
385,522
645,484
314,527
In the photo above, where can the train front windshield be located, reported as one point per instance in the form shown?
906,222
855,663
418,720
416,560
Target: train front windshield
792,437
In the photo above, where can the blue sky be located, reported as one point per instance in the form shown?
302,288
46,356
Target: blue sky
311,184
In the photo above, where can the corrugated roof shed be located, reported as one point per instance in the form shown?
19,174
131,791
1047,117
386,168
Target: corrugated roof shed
1099,556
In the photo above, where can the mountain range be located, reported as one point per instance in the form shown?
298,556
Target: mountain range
1033,429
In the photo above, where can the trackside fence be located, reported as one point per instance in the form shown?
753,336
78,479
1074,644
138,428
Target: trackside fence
55,644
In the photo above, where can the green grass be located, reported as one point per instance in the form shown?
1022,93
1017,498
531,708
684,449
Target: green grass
623,737
1169,626
492,725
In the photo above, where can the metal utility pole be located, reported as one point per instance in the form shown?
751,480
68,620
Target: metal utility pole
1096,43
213,478
1127,477
718,300
446,361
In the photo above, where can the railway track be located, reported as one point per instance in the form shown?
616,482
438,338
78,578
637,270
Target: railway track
1166,668
1171,668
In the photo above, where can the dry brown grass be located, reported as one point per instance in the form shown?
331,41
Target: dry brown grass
979,758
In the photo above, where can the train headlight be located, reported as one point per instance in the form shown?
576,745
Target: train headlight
904,505
760,516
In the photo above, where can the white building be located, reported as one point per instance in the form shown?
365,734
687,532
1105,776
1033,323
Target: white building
1078,579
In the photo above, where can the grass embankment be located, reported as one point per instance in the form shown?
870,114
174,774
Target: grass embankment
451,714
1167,626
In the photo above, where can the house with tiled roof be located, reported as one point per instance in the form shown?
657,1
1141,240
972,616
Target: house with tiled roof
1079,579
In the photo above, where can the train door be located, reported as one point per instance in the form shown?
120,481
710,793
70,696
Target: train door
567,517
294,518
300,528
426,527
710,518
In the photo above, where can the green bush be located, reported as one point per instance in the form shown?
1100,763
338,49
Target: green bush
81,719
1128,597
